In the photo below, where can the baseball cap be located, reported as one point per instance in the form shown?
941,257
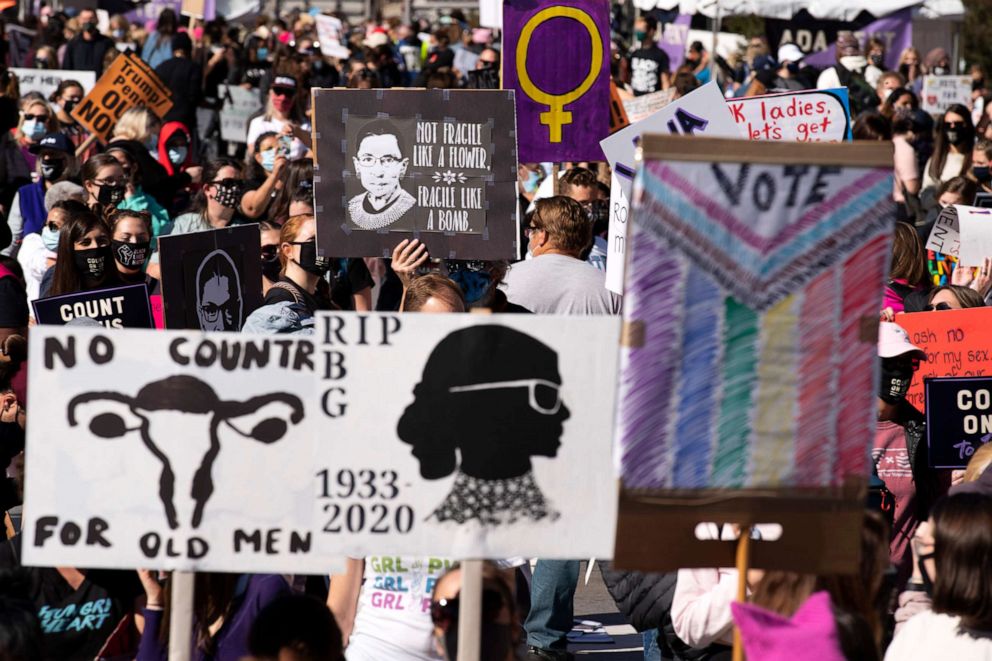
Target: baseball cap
55,141
789,53
284,81
894,341
764,63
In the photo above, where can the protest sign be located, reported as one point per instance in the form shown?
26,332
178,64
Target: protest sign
941,92
959,418
46,81
747,390
675,40
807,116
465,435
171,450
126,83
438,165
964,232
556,59
211,280
239,106
117,307
618,115
956,343
641,107
329,35
616,240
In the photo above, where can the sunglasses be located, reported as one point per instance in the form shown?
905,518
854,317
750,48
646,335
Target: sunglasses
228,183
939,306
41,118
283,91
444,613
543,396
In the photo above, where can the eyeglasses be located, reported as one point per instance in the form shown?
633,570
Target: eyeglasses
387,161
283,91
40,118
543,396
954,125
939,306
444,612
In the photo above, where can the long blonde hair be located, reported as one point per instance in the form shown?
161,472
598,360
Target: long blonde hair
136,124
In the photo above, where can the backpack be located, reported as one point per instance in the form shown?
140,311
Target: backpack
861,95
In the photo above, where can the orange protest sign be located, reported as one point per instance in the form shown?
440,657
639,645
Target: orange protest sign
618,116
127,82
957,343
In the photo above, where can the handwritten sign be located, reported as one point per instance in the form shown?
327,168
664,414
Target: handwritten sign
616,249
117,307
959,418
46,81
957,343
329,36
557,62
807,116
127,82
964,232
941,92
642,107
239,106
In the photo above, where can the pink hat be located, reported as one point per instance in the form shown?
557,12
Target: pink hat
894,341
810,634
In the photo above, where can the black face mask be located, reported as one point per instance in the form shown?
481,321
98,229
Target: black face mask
309,261
11,441
92,263
497,640
52,169
131,255
270,265
897,375
877,60
228,196
110,195
957,136
69,105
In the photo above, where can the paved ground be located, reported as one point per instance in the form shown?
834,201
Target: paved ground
593,602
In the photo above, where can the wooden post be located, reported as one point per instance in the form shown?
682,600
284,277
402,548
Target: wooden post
469,611
743,562
555,185
181,615
85,145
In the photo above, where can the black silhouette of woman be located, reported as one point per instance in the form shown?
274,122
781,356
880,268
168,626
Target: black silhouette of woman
489,400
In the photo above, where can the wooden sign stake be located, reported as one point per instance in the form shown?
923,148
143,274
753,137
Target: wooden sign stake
743,562
470,611
181,615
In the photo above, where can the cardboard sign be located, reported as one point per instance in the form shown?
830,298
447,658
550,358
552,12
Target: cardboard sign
616,251
748,384
562,100
957,343
439,165
964,232
211,280
642,107
618,115
171,450
959,419
117,307
807,116
465,435
329,35
941,92
239,107
127,82
46,81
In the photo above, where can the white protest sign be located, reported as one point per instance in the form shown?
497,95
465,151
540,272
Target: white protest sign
329,35
701,112
807,116
171,450
941,92
643,106
945,236
466,436
491,14
616,251
239,106
975,226
46,81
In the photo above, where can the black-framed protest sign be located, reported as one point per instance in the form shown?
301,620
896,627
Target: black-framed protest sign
437,165
115,307
211,280
959,418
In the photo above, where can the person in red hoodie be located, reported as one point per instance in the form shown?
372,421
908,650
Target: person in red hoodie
176,157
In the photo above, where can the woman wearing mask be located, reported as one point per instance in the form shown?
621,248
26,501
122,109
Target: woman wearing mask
271,266
83,261
137,133
65,97
301,271
283,115
38,252
953,142
135,197
174,154
981,159
105,184
56,162
37,120
267,175
910,68
131,244
217,202
45,58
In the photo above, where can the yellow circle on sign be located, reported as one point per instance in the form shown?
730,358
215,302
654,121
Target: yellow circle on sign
556,115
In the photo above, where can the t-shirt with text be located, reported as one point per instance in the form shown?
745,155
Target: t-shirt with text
646,67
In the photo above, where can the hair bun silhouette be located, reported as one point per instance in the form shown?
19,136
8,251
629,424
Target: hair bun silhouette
474,355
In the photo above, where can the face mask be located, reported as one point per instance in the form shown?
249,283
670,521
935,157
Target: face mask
640,35
532,182
269,160
118,34
792,67
940,71
33,129
957,136
131,255
896,376
498,642
90,27
877,60
309,261
110,195
92,263
177,155
52,170
227,196
981,173
271,266
50,238
474,284
262,53
41,63
69,105
318,66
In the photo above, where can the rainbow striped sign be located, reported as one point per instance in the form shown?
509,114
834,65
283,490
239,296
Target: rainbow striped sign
753,267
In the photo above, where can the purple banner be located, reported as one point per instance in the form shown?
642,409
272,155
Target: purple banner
556,61
894,30
675,39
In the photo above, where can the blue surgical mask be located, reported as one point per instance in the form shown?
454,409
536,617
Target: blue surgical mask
262,53
33,129
177,155
532,181
50,238
269,160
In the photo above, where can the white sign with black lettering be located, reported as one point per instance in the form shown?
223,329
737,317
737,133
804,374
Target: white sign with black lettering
171,450
239,107
466,436
616,252
46,81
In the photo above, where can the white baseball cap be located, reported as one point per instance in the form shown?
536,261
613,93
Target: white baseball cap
789,53
893,341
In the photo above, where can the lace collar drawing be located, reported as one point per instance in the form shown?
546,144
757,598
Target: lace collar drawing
363,215
495,502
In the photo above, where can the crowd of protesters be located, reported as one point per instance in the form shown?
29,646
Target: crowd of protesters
81,215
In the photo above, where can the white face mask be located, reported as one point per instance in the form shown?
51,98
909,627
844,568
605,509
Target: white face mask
177,155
